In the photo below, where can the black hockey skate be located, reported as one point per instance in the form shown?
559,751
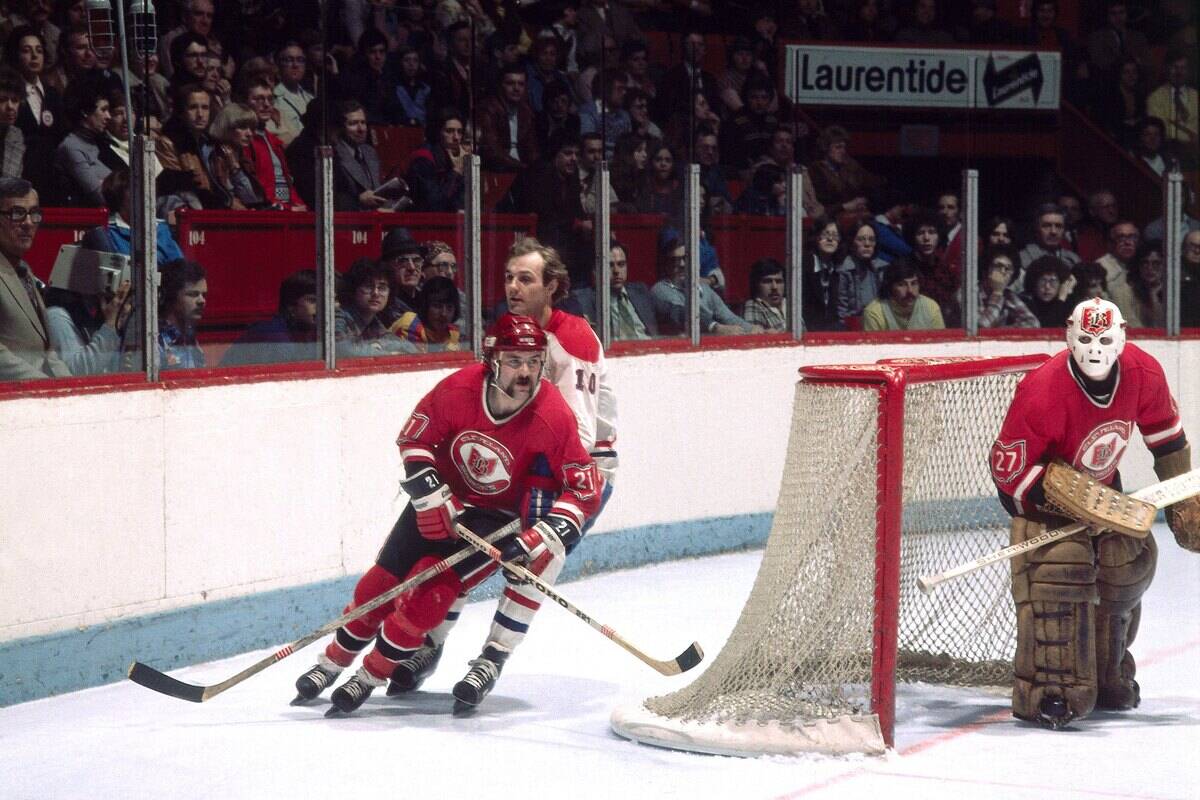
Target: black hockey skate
348,697
410,673
1120,698
313,682
479,680
1054,713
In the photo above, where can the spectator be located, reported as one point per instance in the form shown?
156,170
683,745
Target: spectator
441,261
637,103
290,335
86,330
748,139
1123,242
1148,279
999,306
265,152
291,98
767,306
565,28
582,87
900,305
556,115
1049,228
807,20
629,172
841,183
431,326
404,257
609,117
1090,282
411,105
551,190
1148,147
781,151
197,20
598,18
821,262
1108,45
25,348
76,60
1091,238
860,274
1072,208
682,124
12,140
191,56
949,219
766,195
216,83
740,68
143,74
1045,33
453,84
630,306
1049,285
358,172
234,180
1189,286
891,226
924,27
1121,104
435,173
119,134
867,23
183,294
368,78
116,236
998,232
682,81
939,281
663,192
670,300
635,62
41,117
182,147
359,326
86,156
1175,103
764,40
504,49
499,116
984,27
712,174
591,153
543,70
35,14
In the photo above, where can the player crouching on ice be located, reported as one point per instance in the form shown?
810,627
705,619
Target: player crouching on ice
1078,599
467,449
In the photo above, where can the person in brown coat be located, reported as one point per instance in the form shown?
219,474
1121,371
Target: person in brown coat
497,116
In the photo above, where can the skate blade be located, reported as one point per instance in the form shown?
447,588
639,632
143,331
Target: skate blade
301,700
395,690
462,709
334,711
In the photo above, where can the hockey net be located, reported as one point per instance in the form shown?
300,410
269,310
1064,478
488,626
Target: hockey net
885,479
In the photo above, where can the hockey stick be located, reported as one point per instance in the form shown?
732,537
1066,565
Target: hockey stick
689,658
162,683
1160,495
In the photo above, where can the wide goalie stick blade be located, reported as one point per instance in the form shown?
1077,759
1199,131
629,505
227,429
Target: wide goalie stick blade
162,683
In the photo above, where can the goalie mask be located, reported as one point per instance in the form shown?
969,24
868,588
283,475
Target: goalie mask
507,351
1096,336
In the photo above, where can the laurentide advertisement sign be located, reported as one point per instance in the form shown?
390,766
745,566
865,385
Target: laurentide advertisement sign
881,76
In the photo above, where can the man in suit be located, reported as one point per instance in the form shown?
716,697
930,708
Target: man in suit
357,172
630,308
507,139
25,351
1107,45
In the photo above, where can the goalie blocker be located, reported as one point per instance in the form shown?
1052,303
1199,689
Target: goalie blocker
1078,599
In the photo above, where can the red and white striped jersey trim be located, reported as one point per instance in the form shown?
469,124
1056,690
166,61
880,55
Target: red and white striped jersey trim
1175,427
565,508
1025,485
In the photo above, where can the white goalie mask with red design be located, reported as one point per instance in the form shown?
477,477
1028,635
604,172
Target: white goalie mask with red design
1096,336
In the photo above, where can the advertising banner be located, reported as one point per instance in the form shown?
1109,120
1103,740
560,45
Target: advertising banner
884,76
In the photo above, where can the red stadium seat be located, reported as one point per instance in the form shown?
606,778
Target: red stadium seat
742,239
60,226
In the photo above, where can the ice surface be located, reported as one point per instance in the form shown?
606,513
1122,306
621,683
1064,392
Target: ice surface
544,731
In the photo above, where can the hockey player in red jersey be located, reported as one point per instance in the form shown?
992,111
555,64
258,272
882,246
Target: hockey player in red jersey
468,449
535,278
1078,599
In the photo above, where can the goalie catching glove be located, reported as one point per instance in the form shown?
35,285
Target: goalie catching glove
1183,518
536,546
435,504
1086,499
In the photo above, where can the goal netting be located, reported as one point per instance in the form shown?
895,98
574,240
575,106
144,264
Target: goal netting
885,479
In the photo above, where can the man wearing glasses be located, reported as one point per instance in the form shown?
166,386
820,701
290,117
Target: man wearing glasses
197,19
291,98
405,257
25,351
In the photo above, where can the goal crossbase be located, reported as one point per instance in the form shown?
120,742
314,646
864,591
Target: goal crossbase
845,735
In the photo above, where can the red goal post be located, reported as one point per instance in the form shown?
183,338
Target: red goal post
835,619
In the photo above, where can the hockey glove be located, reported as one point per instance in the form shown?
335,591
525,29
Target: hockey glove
435,504
535,547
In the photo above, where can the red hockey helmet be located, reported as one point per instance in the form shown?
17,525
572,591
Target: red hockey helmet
513,332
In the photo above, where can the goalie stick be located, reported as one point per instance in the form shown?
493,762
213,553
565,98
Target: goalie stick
689,658
1160,495
162,683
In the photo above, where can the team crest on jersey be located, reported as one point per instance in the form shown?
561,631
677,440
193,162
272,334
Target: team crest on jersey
1094,321
582,479
1008,460
1101,450
484,463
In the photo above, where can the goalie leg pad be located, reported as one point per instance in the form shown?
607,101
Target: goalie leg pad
1054,588
1126,570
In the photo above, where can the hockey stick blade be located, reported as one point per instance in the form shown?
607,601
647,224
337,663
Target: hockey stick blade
689,658
1160,495
160,682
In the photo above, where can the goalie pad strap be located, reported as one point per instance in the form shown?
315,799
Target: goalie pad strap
1086,499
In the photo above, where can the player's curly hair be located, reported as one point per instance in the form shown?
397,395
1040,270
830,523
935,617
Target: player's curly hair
553,268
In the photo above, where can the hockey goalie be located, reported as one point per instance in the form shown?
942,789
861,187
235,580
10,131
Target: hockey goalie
1078,599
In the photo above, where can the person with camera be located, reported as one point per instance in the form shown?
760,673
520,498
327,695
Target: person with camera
86,330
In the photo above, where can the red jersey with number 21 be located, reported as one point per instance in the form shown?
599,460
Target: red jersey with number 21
487,462
1051,416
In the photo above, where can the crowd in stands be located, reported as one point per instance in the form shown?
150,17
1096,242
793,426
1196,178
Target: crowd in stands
237,94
